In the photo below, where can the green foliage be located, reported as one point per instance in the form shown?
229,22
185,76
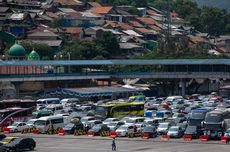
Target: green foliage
214,21
134,11
102,48
43,50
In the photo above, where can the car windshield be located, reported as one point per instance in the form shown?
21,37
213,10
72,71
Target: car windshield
163,125
124,119
30,122
130,121
198,115
15,124
98,126
70,125
191,128
173,129
108,120
113,124
40,123
148,129
101,111
213,118
123,127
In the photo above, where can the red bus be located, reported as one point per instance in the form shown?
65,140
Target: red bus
10,115
17,103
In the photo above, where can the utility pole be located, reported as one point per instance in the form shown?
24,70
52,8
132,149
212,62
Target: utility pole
168,33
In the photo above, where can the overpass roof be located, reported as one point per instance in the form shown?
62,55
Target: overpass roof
118,62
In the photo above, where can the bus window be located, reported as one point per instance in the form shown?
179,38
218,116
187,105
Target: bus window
121,109
136,107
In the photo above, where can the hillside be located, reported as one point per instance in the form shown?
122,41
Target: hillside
224,4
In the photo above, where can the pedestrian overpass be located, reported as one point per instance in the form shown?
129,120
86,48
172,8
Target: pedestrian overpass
20,71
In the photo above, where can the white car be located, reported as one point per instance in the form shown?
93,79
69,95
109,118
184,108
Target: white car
123,130
17,126
109,120
30,123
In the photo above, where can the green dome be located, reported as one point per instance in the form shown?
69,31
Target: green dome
33,56
17,51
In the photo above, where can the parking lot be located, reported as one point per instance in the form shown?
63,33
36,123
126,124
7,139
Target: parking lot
55,143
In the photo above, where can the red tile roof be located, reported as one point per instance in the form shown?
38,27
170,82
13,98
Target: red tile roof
146,20
196,39
151,12
155,28
94,4
135,24
73,14
144,31
73,30
101,10
115,24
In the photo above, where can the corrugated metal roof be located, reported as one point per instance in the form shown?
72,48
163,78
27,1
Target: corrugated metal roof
119,62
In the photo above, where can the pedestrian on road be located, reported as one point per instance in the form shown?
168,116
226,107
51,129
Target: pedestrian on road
227,135
114,147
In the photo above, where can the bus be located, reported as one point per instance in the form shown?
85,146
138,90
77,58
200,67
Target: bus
10,115
197,116
17,103
216,122
119,110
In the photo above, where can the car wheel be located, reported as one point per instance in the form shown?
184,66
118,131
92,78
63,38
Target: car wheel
32,147
18,150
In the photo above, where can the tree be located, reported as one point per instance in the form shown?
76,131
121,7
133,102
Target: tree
213,21
44,50
110,43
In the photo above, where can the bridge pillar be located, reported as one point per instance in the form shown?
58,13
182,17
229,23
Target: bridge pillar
183,86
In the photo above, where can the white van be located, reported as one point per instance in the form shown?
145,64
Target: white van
69,101
170,99
43,123
56,108
44,102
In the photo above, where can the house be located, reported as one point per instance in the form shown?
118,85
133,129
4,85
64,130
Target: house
90,5
18,23
103,10
74,4
74,33
147,33
223,43
146,21
117,25
96,32
5,10
130,50
196,41
46,37
25,4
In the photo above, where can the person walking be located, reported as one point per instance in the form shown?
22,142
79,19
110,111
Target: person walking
114,147
227,135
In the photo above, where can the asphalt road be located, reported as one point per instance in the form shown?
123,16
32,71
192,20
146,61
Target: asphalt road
54,143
